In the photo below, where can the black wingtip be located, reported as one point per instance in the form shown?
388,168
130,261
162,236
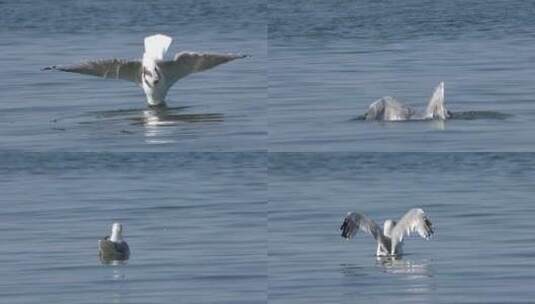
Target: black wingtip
345,232
429,225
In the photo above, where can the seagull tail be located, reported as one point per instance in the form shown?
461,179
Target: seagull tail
156,46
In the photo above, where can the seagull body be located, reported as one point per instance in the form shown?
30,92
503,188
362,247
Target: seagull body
153,73
114,247
389,109
390,239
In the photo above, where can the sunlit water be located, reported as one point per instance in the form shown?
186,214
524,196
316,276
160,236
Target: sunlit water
195,224
329,60
481,206
35,103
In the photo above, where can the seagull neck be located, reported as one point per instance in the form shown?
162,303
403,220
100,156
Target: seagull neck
116,236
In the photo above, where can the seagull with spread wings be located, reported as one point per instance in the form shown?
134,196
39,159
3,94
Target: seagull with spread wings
390,238
153,73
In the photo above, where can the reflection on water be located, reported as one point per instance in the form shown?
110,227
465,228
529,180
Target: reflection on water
119,278
154,116
396,265
393,265
471,115
157,118
466,115
416,277
163,116
438,124
118,273
352,270
156,121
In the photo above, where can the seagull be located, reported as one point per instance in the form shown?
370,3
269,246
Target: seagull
153,73
114,248
388,108
390,239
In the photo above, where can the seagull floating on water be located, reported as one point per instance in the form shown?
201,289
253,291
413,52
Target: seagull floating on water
153,73
388,108
114,247
390,239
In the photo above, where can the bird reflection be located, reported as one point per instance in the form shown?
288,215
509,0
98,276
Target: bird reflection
164,116
156,121
119,278
396,265
438,124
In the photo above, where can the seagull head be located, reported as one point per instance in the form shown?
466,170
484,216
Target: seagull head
116,232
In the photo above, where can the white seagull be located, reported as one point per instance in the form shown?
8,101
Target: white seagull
114,247
153,73
388,108
390,239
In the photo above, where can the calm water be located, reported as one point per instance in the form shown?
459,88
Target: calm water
251,226
196,225
481,206
47,111
328,60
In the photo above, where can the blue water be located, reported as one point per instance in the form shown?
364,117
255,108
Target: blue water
48,111
222,216
329,60
195,223
481,206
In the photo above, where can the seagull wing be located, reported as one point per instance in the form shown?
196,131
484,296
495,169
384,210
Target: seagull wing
355,221
376,110
436,107
112,68
186,63
112,250
415,220
388,108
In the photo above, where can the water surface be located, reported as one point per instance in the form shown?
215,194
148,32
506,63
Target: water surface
328,61
195,224
481,206
54,111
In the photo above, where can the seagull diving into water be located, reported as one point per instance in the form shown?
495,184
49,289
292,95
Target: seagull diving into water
389,109
114,247
390,239
154,74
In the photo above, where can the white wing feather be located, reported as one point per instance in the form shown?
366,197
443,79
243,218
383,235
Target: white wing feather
415,220
436,108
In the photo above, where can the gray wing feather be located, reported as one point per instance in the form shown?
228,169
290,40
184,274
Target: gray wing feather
388,108
112,68
415,220
186,63
355,221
